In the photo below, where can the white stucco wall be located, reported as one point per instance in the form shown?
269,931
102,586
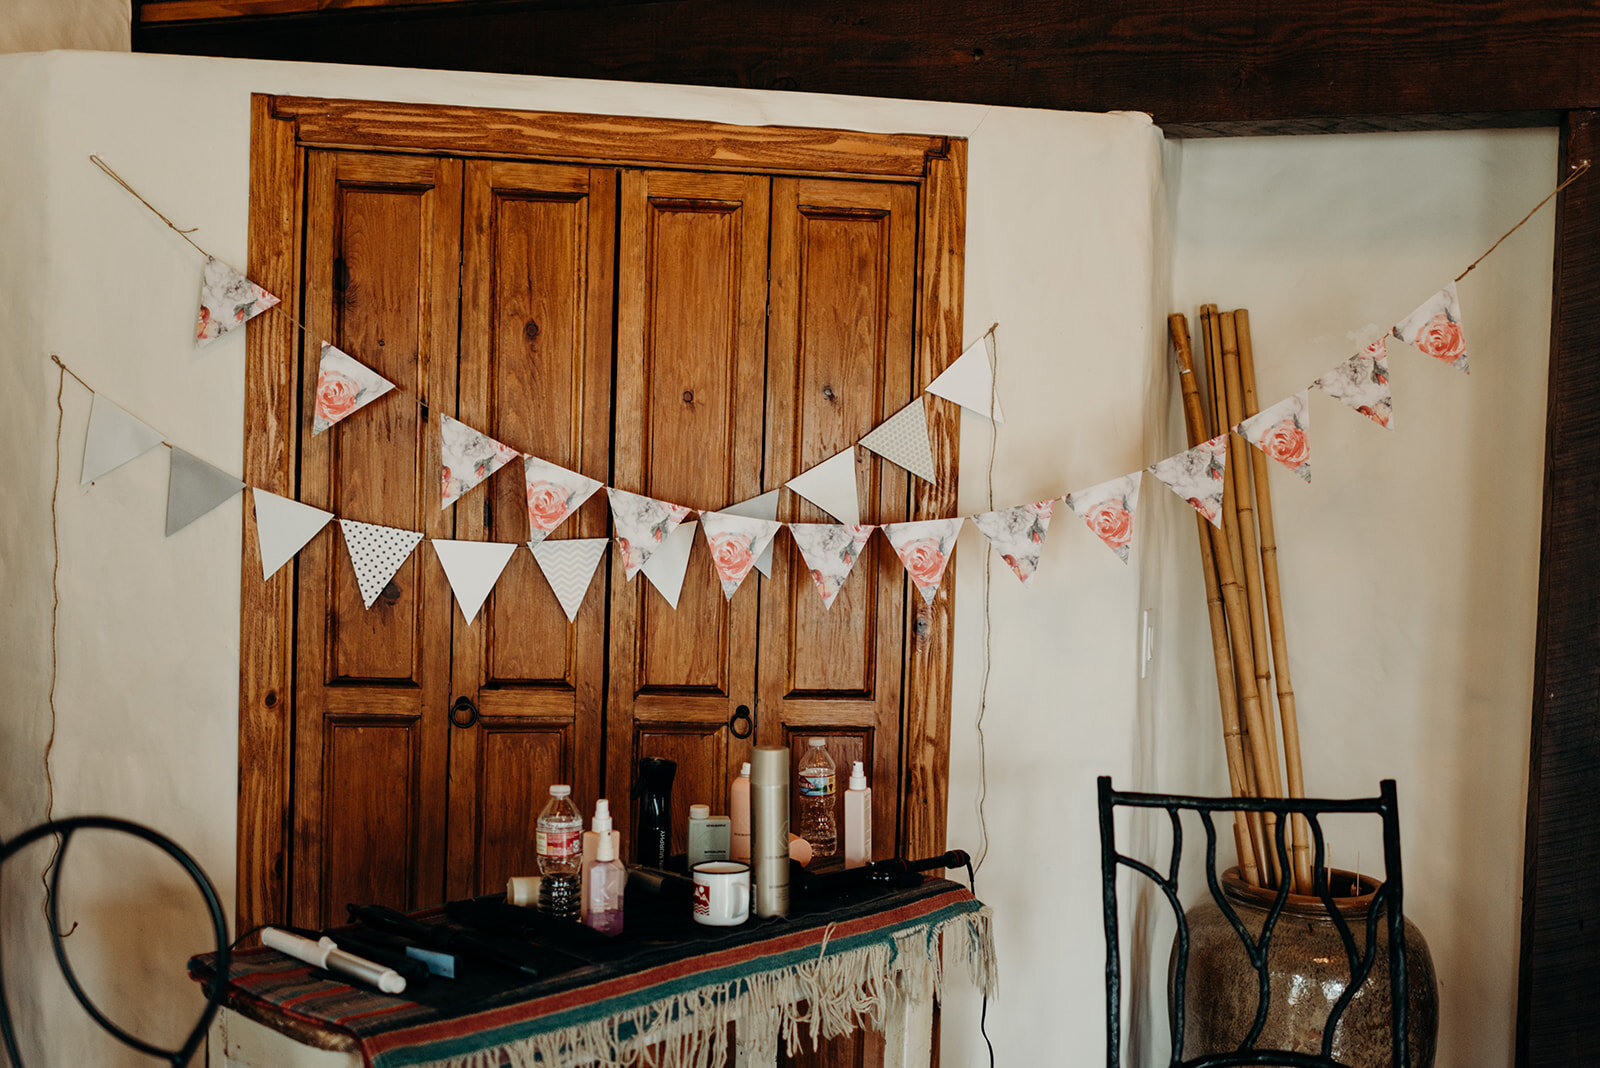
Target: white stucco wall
1063,247
40,25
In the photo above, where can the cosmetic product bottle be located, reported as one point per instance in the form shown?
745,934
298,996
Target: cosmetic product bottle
652,841
601,827
607,881
558,842
739,814
709,836
769,829
857,819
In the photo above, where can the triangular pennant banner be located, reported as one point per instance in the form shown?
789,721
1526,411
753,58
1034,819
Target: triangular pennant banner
831,486
1196,475
969,381
903,439
1283,432
1435,328
283,527
466,458
114,438
1107,509
554,493
924,547
194,487
376,553
1017,534
1362,382
641,525
735,541
830,551
227,299
472,568
343,386
762,507
569,567
670,562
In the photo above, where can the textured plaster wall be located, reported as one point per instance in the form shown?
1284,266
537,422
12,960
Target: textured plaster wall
42,25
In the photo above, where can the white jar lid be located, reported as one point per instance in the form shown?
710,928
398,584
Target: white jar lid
699,812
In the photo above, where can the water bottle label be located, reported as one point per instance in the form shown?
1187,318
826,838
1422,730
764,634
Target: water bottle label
816,784
558,843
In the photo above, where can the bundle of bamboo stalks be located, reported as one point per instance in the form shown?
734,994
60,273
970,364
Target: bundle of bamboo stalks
1240,562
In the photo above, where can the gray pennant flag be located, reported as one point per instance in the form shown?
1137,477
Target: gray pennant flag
194,487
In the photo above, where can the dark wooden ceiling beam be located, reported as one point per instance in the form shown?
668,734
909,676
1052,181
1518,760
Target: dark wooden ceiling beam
1309,64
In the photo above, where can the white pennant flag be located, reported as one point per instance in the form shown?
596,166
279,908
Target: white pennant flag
343,386
762,507
569,567
831,486
376,553
114,438
283,527
969,381
194,487
472,568
670,562
903,439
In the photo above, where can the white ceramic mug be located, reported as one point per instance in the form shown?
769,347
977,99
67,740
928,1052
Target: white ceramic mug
721,893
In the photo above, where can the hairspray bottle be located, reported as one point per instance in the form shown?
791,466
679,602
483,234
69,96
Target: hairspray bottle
769,829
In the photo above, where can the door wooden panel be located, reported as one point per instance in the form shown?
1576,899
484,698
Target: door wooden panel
691,315
536,339
840,357
382,255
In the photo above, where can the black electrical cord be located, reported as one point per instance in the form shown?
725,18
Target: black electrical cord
983,1013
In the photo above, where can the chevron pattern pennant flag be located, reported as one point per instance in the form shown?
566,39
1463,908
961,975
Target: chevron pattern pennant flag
1362,382
227,299
1017,534
1435,329
641,524
343,386
1196,475
194,487
1107,509
466,458
554,493
114,438
735,542
472,568
903,439
830,551
1283,432
283,527
925,547
376,553
569,567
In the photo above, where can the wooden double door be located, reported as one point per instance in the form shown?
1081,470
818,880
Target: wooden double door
696,336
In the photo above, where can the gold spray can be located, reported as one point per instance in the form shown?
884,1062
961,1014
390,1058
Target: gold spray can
769,829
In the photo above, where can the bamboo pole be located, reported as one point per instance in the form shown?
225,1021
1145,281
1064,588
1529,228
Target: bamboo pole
1235,606
1274,604
1232,741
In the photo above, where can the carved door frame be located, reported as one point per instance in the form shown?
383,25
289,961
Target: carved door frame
282,129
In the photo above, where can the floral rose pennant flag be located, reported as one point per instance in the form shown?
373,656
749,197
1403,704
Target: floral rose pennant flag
376,553
1283,432
1435,329
466,458
735,541
1196,476
1362,382
925,548
227,299
1017,534
1107,509
830,551
641,523
343,386
554,493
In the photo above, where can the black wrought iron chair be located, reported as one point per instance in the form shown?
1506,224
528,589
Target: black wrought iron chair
1385,901
66,828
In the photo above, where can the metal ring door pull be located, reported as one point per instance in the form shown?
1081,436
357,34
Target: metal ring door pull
463,713
742,713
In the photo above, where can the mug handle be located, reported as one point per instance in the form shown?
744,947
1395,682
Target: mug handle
743,893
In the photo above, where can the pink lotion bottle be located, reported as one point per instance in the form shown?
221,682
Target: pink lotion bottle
857,819
739,814
603,896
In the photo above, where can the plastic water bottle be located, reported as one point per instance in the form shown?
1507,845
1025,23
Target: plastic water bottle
818,785
558,840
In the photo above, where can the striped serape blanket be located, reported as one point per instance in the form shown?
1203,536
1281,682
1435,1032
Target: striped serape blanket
667,987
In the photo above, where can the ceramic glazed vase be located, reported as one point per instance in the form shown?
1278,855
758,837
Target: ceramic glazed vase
1308,972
